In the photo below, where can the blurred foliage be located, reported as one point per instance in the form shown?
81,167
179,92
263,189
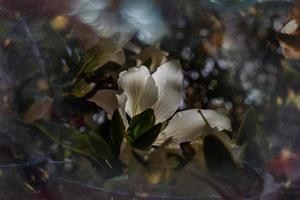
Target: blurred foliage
53,59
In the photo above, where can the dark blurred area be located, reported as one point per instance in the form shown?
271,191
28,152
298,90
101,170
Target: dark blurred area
229,51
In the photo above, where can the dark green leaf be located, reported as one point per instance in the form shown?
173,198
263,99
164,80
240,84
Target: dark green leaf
117,132
140,124
248,129
90,145
100,147
218,159
255,152
221,165
146,140
66,136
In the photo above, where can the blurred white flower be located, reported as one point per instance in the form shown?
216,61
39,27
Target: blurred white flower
108,18
160,91
289,40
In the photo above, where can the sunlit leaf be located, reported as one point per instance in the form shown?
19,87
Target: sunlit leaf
140,124
119,57
106,50
153,53
146,140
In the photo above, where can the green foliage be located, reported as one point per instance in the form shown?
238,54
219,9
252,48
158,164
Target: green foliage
89,144
218,159
221,165
248,128
139,124
142,130
146,140
82,88
255,146
99,146
117,132
98,55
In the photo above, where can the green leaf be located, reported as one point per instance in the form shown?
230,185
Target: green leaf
90,145
100,147
248,128
222,166
255,144
99,55
82,88
255,152
66,136
140,124
117,132
218,159
146,140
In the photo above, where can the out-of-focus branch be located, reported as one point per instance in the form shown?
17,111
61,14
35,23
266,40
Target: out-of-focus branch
33,46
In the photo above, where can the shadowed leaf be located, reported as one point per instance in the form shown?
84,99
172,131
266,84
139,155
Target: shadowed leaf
82,88
117,132
90,145
248,129
218,159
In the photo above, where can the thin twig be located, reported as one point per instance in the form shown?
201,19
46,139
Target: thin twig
33,46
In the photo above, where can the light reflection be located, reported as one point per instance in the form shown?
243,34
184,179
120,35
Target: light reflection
145,17
140,16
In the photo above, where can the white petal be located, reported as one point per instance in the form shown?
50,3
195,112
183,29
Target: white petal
122,98
217,120
139,88
106,99
290,27
169,80
149,98
188,125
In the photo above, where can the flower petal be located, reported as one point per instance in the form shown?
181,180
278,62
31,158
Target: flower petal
291,27
139,88
122,98
188,125
150,95
217,120
169,80
106,99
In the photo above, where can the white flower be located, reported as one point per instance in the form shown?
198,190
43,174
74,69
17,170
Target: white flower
289,40
160,91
